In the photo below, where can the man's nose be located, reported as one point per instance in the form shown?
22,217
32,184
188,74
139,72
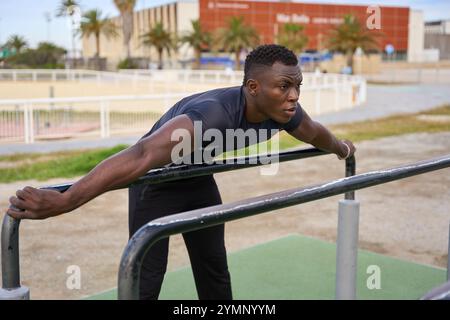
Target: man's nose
293,95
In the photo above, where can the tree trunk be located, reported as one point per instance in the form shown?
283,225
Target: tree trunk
237,59
350,60
127,28
97,45
198,55
160,62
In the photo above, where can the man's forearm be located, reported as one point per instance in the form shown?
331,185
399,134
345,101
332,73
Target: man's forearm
116,171
326,141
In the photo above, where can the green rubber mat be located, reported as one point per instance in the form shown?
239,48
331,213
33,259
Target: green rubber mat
298,267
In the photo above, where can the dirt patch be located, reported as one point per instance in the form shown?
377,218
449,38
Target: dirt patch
407,219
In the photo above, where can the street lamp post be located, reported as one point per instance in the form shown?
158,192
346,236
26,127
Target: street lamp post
48,18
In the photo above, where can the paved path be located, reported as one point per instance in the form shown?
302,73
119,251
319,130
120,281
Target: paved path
382,101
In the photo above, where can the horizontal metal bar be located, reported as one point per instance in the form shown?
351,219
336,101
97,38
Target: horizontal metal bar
144,238
179,172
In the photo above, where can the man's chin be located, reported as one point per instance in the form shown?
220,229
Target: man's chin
283,119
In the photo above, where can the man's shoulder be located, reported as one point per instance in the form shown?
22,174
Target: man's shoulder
218,96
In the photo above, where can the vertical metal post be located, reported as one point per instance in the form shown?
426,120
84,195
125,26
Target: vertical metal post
31,123
347,240
11,288
26,123
317,102
107,118
350,170
102,119
336,92
347,250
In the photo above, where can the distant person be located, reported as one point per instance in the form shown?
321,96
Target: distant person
267,99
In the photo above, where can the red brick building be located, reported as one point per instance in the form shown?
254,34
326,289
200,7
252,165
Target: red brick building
269,17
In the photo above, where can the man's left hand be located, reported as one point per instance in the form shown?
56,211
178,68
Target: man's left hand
347,149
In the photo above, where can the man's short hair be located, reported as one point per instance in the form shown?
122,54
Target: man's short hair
267,55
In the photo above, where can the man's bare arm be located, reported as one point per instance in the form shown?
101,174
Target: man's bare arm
314,133
116,171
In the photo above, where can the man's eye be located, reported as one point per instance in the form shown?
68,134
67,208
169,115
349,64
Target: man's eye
283,87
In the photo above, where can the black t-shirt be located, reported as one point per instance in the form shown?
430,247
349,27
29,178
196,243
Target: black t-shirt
224,110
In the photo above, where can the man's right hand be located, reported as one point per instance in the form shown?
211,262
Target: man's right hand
32,203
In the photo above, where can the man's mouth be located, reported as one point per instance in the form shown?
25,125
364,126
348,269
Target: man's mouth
290,111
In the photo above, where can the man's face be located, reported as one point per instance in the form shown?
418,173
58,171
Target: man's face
278,91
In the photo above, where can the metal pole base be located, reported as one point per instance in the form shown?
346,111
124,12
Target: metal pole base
21,293
347,249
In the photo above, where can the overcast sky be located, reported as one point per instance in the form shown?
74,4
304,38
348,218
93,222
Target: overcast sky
28,17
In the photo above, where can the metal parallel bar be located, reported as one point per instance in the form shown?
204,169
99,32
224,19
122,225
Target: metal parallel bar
10,253
179,172
10,226
144,238
441,292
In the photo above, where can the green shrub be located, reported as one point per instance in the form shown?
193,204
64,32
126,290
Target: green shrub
127,64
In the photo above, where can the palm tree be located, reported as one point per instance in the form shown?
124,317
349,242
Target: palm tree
350,35
160,39
126,8
197,39
68,8
17,43
292,37
235,37
93,23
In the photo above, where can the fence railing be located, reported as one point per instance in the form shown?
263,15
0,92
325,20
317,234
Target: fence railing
12,288
31,119
149,234
51,118
36,75
186,75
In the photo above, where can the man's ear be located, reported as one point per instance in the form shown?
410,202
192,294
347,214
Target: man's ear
252,86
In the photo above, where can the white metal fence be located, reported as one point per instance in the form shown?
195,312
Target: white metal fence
66,75
51,118
31,119
201,76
